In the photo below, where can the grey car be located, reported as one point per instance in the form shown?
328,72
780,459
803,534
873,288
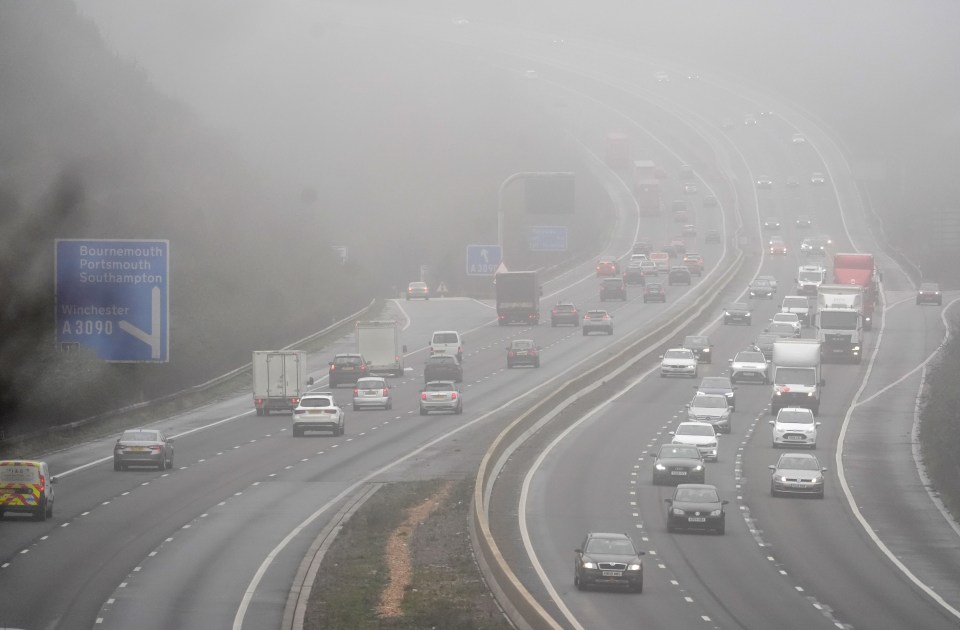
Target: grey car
738,312
710,408
761,289
597,321
143,447
441,367
798,474
372,392
719,385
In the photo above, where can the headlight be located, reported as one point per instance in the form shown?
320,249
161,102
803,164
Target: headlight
589,565
810,394
677,512
706,350
716,513
747,315
856,348
659,466
726,313
634,567
697,468
781,478
777,393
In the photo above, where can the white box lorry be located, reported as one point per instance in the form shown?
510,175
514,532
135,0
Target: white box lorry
278,379
840,322
796,375
379,344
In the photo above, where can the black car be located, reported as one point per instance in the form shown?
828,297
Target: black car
738,312
696,506
679,275
346,368
613,289
523,352
761,289
678,463
803,221
564,313
711,236
608,559
701,346
764,343
719,385
442,367
929,293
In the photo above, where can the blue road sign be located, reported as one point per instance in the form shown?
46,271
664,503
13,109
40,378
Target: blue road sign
547,238
113,297
483,260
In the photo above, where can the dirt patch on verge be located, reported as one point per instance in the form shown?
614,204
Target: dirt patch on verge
425,524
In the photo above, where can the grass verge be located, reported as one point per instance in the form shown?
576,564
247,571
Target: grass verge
443,588
939,422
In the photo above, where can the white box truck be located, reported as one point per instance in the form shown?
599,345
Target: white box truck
278,379
840,322
379,344
796,375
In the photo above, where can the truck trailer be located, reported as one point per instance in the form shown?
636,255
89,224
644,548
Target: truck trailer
518,297
797,380
278,379
379,344
859,270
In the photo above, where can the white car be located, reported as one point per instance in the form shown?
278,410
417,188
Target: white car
817,178
764,182
749,365
795,426
690,188
701,435
678,362
661,77
787,318
797,304
713,409
798,138
318,412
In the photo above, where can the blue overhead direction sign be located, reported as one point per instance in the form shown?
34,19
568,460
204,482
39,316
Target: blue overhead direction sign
547,238
483,260
113,297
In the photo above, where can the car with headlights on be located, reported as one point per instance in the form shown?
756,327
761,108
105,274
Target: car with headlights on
771,280
440,396
929,293
736,313
749,365
783,330
605,559
597,320
701,435
418,290
813,246
696,507
654,292
764,182
817,178
678,463
689,229
795,426
143,447
771,223
678,362
372,392
713,409
689,188
523,352
693,262
701,346
760,289
777,246
792,181
798,138
318,412
719,385
797,474
564,313
803,221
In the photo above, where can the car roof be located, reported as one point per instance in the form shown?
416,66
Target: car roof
450,383
607,535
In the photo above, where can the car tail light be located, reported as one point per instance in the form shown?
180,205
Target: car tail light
356,391
423,395
534,352
554,312
294,401
511,353
43,483
155,448
333,368
363,368
453,396
385,391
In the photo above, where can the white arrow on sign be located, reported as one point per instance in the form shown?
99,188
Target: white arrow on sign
484,255
152,338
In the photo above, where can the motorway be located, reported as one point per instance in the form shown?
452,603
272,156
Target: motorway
217,541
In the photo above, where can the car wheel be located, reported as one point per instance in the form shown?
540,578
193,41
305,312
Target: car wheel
50,508
581,586
553,324
389,405
423,411
40,513
355,408
343,427
639,587
459,410
259,412
584,332
722,529
773,492
296,432
733,381
170,463
117,465
670,527
820,494
163,463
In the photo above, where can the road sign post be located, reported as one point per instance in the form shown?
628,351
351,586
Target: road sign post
113,297
483,260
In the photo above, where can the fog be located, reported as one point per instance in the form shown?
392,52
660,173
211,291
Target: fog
256,135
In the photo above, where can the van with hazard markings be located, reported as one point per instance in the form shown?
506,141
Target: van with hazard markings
26,487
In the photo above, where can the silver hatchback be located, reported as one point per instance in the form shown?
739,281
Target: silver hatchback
372,391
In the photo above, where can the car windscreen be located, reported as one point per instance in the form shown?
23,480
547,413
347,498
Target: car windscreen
709,402
795,417
371,383
750,357
695,429
811,276
139,436
19,474
316,402
798,463
839,320
610,546
445,338
781,327
441,360
796,376
698,342
676,354
439,386
679,451
347,360
566,308
795,303
696,495
521,344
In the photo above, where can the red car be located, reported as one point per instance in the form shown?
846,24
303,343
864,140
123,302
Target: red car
654,293
694,262
608,267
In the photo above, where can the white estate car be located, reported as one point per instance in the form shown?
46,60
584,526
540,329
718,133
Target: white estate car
318,412
795,426
699,434
749,365
713,409
678,362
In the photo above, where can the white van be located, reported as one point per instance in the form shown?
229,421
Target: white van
447,342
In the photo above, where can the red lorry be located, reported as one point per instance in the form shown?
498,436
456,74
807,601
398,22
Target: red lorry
859,270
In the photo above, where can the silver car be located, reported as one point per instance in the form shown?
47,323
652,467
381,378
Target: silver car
797,473
143,447
372,392
440,396
711,408
749,365
597,321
